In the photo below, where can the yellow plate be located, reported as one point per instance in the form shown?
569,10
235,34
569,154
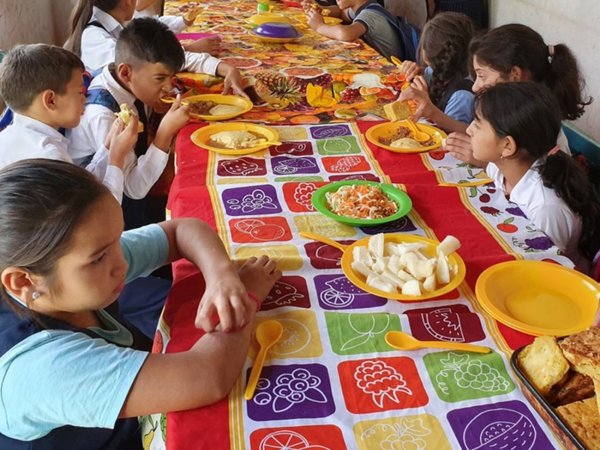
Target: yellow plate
538,298
201,136
358,280
220,99
387,130
259,19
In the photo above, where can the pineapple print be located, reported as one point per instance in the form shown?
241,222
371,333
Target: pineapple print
277,90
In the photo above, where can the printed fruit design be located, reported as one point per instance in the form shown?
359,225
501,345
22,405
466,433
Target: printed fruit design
278,90
490,210
380,381
515,211
158,344
500,428
443,324
507,226
539,243
437,154
149,436
163,427
303,195
470,373
283,294
484,198
351,95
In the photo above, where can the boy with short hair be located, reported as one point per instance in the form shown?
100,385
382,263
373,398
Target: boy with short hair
43,85
147,56
365,19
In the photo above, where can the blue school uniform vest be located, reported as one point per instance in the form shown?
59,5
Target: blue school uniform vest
16,324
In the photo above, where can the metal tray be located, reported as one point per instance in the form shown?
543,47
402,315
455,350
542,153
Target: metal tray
545,409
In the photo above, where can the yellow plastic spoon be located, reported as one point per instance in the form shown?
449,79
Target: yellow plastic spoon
396,61
419,136
267,335
404,341
323,239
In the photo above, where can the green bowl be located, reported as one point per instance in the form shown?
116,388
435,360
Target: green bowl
401,198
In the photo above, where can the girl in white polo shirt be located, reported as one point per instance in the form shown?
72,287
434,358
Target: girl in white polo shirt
514,132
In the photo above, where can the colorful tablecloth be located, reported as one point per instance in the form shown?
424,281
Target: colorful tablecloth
332,382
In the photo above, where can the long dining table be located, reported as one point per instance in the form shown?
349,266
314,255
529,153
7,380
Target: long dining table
332,382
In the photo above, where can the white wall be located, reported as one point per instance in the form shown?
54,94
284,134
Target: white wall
575,23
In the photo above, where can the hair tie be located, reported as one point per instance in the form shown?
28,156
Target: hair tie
550,53
554,150
254,298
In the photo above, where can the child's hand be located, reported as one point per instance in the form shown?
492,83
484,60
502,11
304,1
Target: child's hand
459,146
121,141
190,16
175,118
310,5
225,303
419,92
315,19
234,82
211,45
410,69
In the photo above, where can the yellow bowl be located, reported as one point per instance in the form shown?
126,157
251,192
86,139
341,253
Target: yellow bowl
259,19
220,99
358,280
201,137
538,298
387,130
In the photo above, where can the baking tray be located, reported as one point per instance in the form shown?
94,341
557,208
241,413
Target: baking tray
562,431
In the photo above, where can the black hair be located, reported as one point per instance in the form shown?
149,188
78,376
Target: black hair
146,40
80,17
518,45
445,42
27,70
530,114
42,202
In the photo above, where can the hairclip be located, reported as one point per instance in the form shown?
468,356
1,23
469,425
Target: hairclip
554,150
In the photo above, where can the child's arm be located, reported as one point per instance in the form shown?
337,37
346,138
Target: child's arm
233,79
419,92
140,5
339,32
210,45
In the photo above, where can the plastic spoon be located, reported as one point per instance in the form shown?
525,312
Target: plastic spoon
323,239
396,61
267,335
404,341
419,136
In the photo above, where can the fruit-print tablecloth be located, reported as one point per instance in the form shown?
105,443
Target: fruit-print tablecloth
332,382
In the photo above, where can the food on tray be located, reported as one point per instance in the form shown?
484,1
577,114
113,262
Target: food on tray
125,115
543,363
404,132
201,108
361,201
236,139
405,143
583,420
571,392
222,110
404,267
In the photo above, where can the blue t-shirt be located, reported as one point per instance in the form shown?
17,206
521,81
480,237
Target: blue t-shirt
460,103
56,377
380,34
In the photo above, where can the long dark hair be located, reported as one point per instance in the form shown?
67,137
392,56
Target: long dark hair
80,16
518,45
41,203
530,114
445,42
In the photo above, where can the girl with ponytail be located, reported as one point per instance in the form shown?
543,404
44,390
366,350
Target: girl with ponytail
515,130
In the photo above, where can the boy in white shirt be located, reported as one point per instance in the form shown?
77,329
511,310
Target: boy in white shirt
146,58
43,85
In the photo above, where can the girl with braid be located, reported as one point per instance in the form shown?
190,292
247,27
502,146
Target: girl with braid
443,93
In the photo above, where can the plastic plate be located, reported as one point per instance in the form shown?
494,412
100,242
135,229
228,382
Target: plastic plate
387,130
201,137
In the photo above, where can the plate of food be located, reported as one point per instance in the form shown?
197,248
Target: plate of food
235,138
215,106
276,32
560,378
397,137
538,297
401,266
361,203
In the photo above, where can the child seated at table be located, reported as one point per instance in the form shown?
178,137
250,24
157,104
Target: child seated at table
367,20
74,375
147,56
443,93
515,52
514,131
153,8
96,25
43,86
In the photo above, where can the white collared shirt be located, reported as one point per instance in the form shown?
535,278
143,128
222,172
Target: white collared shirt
546,210
28,138
98,45
87,140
